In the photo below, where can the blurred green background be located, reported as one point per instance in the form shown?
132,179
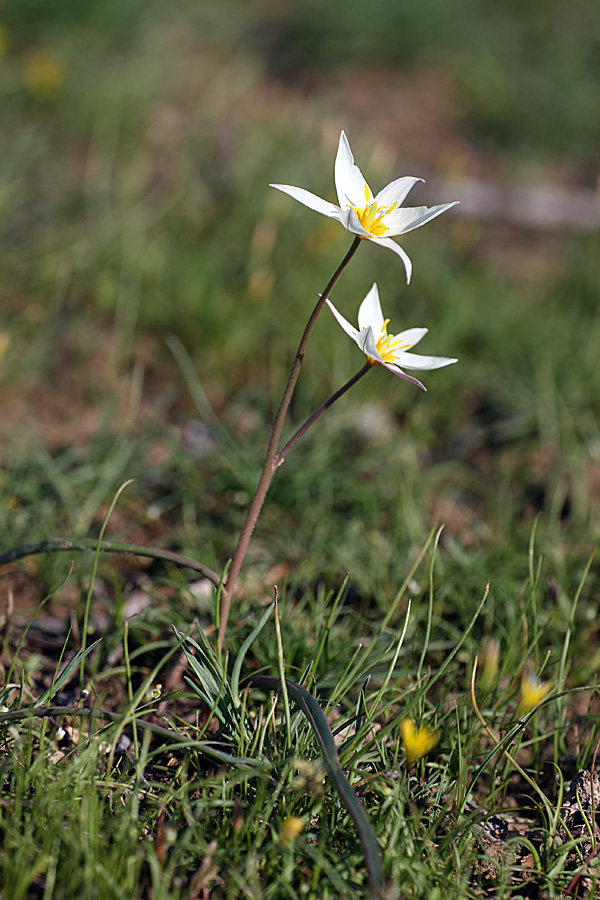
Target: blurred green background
154,288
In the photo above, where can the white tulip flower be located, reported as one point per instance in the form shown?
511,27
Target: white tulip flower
376,219
383,349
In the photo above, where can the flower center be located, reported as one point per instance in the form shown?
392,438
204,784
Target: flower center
388,345
371,217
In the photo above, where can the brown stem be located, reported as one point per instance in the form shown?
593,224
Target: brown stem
317,415
269,464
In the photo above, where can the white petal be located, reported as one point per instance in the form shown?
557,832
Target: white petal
370,312
402,220
349,220
396,371
414,361
349,181
396,191
411,336
391,245
367,343
310,200
348,328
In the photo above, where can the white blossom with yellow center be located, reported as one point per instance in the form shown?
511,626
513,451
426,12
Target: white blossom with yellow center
375,218
383,349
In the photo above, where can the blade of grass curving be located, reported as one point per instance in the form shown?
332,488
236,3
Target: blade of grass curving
345,682
313,712
430,603
66,674
239,660
391,667
66,545
282,681
88,599
420,557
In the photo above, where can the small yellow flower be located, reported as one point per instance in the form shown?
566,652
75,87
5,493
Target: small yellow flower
292,827
43,75
417,742
533,692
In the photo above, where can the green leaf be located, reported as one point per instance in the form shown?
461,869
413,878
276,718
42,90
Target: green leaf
66,674
313,712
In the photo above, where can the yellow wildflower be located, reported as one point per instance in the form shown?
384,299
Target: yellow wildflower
417,742
533,692
292,827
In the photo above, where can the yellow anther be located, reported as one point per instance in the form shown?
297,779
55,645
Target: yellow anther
388,345
371,217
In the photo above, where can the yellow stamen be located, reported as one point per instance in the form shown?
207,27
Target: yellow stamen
387,346
371,217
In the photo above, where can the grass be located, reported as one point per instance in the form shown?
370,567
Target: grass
153,290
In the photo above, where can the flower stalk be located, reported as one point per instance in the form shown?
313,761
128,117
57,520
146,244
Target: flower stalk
279,459
270,464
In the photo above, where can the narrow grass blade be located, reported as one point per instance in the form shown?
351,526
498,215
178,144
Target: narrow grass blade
66,674
88,599
313,712
239,661
430,604
282,679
